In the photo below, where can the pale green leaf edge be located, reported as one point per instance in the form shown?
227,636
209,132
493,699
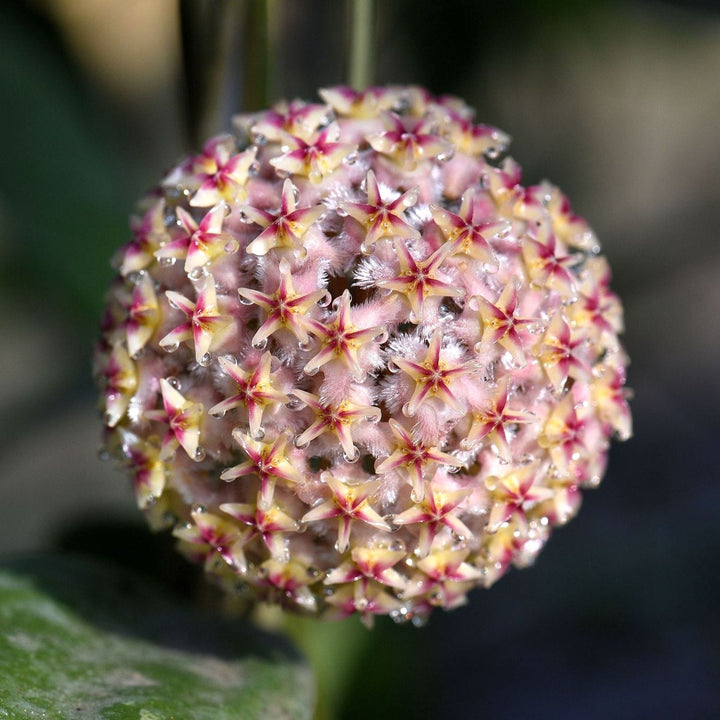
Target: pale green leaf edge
81,641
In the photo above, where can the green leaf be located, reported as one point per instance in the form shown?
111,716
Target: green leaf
65,195
81,641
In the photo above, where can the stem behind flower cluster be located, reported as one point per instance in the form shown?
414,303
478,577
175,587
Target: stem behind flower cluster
259,60
207,28
361,17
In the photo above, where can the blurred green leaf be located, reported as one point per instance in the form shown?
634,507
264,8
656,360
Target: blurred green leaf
80,640
64,198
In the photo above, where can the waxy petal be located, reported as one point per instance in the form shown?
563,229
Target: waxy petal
184,416
381,219
288,227
432,378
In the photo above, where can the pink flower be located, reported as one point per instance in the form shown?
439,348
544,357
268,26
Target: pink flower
354,363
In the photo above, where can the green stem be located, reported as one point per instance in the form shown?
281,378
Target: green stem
259,50
206,29
334,650
361,43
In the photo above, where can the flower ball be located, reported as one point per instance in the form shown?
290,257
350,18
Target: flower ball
353,364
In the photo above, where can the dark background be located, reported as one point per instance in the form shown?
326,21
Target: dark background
618,103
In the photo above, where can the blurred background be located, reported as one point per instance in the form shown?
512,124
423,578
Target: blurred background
617,103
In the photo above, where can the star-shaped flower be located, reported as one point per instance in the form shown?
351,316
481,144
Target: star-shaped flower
313,160
562,435
447,594
199,244
184,418
363,104
289,580
569,227
381,219
501,547
335,418
348,503
418,279
204,321
469,138
266,460
411,145
340,339
500,324
297,119
558,353
490,422
287,228
562,505
256,390
192,545
537,201
436,509
285,308
120,379
449,564
416,458
143,315
511,492
467,237
503,183
433,377
610,397
373,562
545,268
599,311
365,596
223,174
219,534
149,233
147,465
268,522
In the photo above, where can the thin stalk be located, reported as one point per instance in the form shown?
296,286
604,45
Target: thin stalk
362,28
206,30
259,50
335,650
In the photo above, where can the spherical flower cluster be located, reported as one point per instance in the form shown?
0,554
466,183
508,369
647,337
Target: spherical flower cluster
353,363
